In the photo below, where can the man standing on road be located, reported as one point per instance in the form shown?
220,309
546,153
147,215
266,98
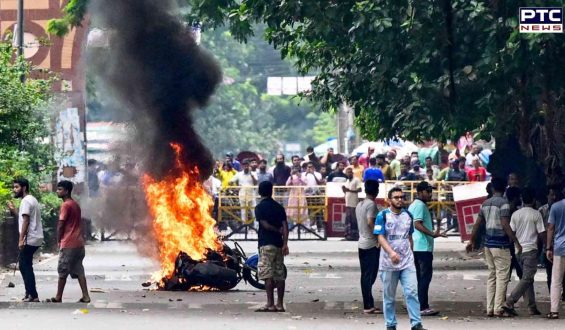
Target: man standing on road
495,213
527,224
554,195
246,180
424,244
556,252
71,243
394,227
273,246
31,235
351,189
369,249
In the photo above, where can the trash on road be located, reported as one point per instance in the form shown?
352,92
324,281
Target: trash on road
11,285
81,311
97,290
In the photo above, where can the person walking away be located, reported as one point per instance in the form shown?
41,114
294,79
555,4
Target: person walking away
368,246
246,180
424,244
556,253
71,244
495,213
273,246
513,195
554,194
351,189
373,172
527,224
297,210
394,228
30,235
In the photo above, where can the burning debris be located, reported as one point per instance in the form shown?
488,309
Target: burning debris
158,72
216,271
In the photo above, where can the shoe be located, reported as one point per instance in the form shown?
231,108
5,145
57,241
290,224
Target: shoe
418,327
535,312
429,312
390,328
509,310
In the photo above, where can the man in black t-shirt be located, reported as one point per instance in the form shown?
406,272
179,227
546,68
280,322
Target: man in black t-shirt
273,246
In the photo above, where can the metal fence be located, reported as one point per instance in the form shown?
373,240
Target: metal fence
307,210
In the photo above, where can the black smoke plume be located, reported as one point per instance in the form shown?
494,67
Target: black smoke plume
158,72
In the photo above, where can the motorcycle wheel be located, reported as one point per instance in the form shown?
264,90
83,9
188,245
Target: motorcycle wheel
251,275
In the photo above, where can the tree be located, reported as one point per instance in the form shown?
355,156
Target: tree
24,120
421,70
24,133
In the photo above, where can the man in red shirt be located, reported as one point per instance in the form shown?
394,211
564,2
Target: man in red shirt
477,173
71,243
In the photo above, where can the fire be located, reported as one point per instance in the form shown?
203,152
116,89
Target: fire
180,207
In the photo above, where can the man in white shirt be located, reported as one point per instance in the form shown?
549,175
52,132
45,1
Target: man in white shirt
527,224
351,189
31,235
313,179
246,180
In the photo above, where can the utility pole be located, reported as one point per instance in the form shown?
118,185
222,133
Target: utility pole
20,27
21,32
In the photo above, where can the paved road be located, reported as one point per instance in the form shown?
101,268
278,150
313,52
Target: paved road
323,293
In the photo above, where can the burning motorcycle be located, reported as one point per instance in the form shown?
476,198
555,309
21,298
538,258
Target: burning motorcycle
217,271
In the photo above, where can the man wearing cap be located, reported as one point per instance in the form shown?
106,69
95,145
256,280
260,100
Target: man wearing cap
423,238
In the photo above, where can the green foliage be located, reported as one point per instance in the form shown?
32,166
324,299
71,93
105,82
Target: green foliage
73,12
24,125
50,204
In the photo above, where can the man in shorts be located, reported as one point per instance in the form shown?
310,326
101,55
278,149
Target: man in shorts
273,246
71,243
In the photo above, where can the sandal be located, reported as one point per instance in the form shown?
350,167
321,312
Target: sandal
552,315
53,300
374,310
265,309
84,301
280,309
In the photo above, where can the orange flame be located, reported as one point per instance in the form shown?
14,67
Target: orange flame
180,207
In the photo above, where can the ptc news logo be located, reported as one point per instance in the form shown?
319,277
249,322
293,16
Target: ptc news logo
541,20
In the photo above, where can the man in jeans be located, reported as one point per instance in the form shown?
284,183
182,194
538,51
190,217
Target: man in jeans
395,227
527,224
495,213
423,244
369,250
556,252
31,235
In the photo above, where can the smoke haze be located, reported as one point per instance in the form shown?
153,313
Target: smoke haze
157,71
